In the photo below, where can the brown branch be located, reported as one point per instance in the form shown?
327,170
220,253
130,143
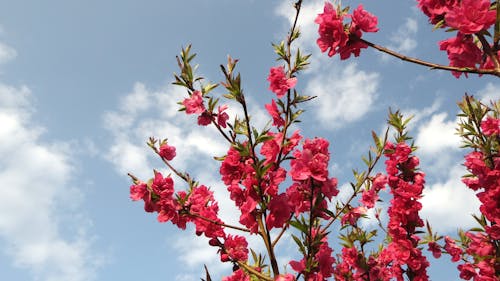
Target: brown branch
494,72
219,223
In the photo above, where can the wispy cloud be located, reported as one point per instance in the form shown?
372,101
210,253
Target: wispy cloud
7,53
36,181
403,39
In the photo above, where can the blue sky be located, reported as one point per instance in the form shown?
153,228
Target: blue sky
83,84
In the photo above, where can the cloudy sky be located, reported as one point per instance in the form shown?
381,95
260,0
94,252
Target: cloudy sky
83,84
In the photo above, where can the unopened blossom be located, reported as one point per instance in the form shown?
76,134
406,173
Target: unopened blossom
278,82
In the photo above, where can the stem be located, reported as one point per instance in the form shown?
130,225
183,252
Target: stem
254,272
282,231
219,223
179,174
494,72
264,233
222,132
488,51
359,184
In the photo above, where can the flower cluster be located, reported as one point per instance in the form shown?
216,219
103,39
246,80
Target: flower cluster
468,17
195,105
406,185
309,171
340,38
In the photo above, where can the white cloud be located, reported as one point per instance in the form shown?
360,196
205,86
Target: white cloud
436,135
491,92
448,205
36,183
7,53
144,113
403,39
308,13
344,96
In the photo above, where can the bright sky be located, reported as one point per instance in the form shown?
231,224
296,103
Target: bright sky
83,84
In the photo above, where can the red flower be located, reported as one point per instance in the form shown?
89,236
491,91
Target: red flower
238,275
272,109
222,116
236,248
205,118
363,20
167,151
436,9
452,249
279,211
471,16
331,30
462,52
279,83
194,104
435,249
138,191
369,198
490,126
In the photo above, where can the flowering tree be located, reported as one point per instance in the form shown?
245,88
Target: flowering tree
280,180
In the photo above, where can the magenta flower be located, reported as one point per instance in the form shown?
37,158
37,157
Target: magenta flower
279,83
167,152
331,30
194,104
471,16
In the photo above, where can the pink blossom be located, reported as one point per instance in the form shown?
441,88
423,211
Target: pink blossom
364,20
279,211
205,118
285,277
235,247
238,275
167,151
452,249
331,30
222,116
471,16
435,249
312,161
279,83
369,198
138,191
467,271
462,52
490,126
272,109
436,9
194,104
